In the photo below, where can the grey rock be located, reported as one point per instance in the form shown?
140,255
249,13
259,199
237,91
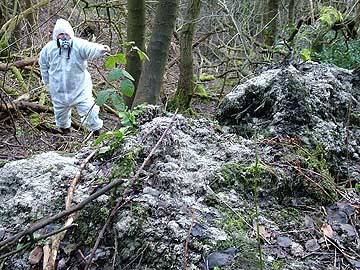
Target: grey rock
221,258
30,187
309,102
309,222
284,241
297,250
355,264
198,230
348,229
312,245
2,233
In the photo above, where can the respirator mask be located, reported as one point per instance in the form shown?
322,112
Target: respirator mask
64,42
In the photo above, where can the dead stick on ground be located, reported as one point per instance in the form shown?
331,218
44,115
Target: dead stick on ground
23,105
62,214
121,201
34,241
19,64
50,265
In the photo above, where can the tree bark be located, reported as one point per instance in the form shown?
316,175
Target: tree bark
312,14
186,84
30,21
271,14
135,33
291,12
2,14
151,77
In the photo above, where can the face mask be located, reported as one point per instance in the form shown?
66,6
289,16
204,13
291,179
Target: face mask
64,43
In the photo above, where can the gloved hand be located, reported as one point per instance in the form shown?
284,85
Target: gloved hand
106,49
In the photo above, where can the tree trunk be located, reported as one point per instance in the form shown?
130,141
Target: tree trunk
271,14
2,15
291,8
135,33
151,77
186,84
312,14
30,21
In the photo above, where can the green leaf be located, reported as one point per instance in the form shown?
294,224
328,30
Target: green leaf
206,77
35,119
201,91
120,58
110,61
115,74
127,87
305,54
141,54
127,75
102,97
124,117
127,118
119,134
118,102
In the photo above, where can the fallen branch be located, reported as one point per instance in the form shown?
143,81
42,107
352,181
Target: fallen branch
25,105
12,239
18,64
50,264
35,240
121,201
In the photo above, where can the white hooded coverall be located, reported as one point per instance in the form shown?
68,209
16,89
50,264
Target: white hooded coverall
67,78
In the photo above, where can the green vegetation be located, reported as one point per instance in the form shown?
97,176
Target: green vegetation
277,265
340,53
89,220
120,83
239,177
126,164
319,182
238,237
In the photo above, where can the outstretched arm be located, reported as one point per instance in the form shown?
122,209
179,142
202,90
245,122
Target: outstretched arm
91,50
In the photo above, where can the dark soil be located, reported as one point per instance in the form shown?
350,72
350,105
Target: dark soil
19,138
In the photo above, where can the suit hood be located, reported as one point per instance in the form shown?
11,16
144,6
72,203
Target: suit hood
62,26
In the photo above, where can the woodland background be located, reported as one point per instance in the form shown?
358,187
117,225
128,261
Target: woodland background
186,56
182,54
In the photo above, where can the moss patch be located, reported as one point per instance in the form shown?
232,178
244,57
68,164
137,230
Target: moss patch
124,166
241,177
238,237
90,221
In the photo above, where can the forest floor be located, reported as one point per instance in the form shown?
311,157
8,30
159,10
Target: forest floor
19,138
25,133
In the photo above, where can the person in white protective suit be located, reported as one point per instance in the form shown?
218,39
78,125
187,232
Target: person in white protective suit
63,67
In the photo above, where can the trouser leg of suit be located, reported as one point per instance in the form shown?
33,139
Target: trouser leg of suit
89,113
62,115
